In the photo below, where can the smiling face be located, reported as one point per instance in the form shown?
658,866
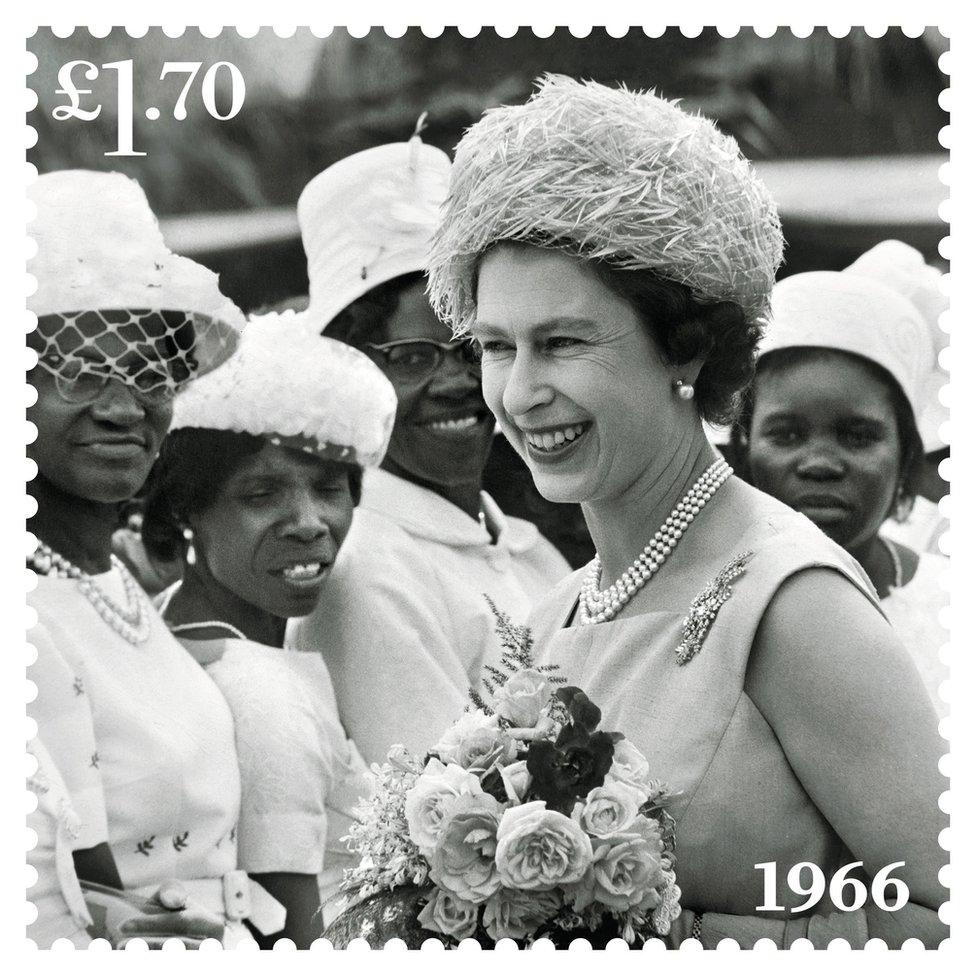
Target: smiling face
824,440
573,376
443,428
274,528
100,451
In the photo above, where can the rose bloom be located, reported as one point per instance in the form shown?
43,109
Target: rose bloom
522,698
626,869
449,915
464,859
476,742
512,914
425,801
608,809
629,765
516,780
539,849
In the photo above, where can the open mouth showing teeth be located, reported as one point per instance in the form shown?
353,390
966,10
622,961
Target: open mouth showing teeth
552,440
455,424
301,572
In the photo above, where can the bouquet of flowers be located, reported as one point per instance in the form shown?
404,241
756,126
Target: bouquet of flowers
525,820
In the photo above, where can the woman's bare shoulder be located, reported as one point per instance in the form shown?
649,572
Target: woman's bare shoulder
821,631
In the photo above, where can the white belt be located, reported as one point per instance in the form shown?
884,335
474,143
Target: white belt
234,897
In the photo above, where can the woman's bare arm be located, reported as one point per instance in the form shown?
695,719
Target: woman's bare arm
856,723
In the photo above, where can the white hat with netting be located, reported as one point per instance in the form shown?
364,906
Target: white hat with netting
112,299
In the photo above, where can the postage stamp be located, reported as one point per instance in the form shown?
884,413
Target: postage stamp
487,489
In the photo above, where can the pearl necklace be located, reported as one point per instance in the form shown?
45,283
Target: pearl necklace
133,623
598,606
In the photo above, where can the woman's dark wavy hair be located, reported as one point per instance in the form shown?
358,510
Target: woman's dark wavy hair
193,466
909,440
686,329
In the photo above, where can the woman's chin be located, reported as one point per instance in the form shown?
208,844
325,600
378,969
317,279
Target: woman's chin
558,490
108,490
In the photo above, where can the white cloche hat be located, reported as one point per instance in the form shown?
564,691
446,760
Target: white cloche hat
295,387
903,269
369,218
854,313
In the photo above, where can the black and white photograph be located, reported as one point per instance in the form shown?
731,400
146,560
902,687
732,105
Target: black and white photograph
487,488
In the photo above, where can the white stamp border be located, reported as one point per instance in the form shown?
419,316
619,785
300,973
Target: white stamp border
958,729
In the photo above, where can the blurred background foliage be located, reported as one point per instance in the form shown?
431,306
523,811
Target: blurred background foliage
311,101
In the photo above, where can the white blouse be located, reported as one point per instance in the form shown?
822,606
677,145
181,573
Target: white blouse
301,777
141,736
913,611
403,622
56,894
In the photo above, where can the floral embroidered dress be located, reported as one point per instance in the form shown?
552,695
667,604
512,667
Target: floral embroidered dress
142,737
750,794
301,776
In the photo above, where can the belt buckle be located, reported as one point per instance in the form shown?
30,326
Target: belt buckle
237,895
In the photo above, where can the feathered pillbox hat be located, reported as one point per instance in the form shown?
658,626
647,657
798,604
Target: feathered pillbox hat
297,388
369,218
111,297
623,176
854,312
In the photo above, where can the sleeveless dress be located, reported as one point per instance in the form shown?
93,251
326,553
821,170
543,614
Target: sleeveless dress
740,803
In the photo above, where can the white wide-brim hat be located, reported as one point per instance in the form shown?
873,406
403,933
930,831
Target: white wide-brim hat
291,385
99,249
368,219
852,313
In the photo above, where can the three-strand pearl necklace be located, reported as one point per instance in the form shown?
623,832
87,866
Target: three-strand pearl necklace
131,623
598,606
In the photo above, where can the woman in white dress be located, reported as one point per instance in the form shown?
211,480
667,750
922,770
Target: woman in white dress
832,428
254,490
403,623
56,894
142,740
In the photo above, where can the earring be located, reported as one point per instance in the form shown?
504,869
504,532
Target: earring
904,503
191,554
684,390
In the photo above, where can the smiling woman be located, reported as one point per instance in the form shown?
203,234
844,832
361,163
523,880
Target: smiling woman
613,256
403,623
228,491
443,429
254,492
142,740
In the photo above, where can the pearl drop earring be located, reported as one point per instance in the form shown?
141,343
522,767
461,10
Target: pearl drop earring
191,555
684,390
